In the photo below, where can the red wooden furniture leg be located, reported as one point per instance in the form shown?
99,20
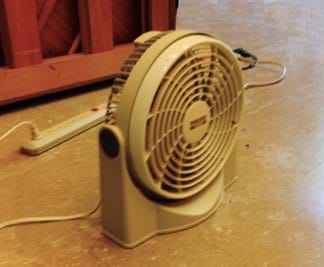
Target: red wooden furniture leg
46,12
159,14
19,33
96,25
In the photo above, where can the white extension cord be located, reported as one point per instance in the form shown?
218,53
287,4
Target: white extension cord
36,134
31,220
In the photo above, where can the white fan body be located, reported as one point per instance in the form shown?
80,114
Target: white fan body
170,141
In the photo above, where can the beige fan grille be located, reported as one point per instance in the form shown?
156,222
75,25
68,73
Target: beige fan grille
193,120
119,82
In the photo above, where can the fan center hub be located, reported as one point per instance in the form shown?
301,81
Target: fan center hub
196,121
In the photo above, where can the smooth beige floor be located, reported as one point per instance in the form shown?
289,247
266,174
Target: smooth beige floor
272,216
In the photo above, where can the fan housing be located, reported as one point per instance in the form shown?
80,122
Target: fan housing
173,120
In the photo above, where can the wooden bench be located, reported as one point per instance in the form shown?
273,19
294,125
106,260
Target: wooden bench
52,45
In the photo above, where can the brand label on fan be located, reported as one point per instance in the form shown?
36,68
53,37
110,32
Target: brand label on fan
196,121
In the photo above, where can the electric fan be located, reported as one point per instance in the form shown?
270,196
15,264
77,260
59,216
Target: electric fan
167,150
169,142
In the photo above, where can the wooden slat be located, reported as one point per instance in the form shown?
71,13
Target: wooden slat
173,6
19,32
46,10
60,73
126,20
75,44
159,14
96,25
1,53
144,15
58,24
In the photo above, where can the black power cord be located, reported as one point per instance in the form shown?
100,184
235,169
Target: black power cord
245,54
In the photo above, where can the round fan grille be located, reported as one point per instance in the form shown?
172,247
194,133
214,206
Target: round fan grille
193,119
178,103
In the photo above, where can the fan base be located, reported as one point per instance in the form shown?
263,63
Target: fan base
193,221
130,217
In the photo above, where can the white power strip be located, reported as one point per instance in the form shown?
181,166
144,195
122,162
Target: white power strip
66,130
